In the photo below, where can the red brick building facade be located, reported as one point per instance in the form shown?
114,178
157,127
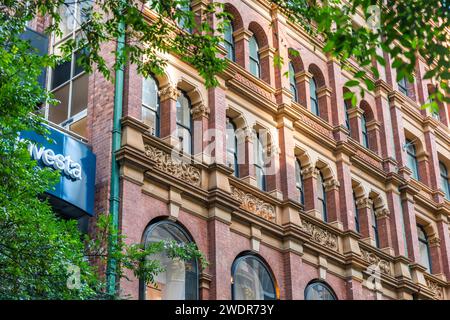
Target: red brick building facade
334,201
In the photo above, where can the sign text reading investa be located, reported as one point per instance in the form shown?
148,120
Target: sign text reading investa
60,162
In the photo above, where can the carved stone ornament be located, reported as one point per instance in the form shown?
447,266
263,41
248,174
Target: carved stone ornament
251,203
438,291
320,236
373,259
331,184
199,110
364,203
169,92
382,213
310,172
173,166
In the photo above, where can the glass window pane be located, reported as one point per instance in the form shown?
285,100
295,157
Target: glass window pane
59,113
184,136
252,281
180,279
149,118
183,111
67,14
254,68
150,93
318,291
61,74
254,49
79,94
77,68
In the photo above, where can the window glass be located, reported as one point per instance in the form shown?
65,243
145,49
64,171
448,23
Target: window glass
299,181
232,158
319,291
355,208
321,196
347,106
424,250
292,82
403,86
254,57
229,41
252,280
150,104
184,133
412,159
179,281
444,180
313,96
365,135
259,163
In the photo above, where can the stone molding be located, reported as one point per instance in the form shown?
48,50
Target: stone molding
173,166
373,259
253,204
320,235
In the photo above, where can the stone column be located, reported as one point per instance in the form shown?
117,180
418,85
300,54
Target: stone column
384,231
266,55
364,206
292,269
443,234
332,189
309,175
435,255
247,166
373,130
395,101
168,117
200,115
354,114
424,167
287,159
409,218
241,39
324,99
396,219
337,97
433,163
217,123
345,191
302,78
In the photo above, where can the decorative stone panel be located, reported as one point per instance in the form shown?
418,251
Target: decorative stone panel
253,204
373,259
320,236
438,291
173,166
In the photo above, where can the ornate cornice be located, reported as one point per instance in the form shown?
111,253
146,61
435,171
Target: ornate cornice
253,204
173,166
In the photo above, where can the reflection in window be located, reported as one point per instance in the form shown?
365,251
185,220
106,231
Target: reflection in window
150,104
179,281
355,208
229,42
424,248
232,147
403,86
321,196
259,163
319,291
299,181
293,82
313,96
365,134
412,159
69,83
184,123
444,180
251,280
255,68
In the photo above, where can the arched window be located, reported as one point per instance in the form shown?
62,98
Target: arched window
255,67
444,180
424,248
355,208
293,82
179,280
347,106
365,134
299,181
229,42
318,290
321,197
184,122
150,104
260,163
375,227
313,95
251,279
403,86
232,147
412,159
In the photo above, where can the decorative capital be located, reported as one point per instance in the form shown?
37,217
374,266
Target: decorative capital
363,203
331,184
382,213
309,172
434,241
200,110
169,92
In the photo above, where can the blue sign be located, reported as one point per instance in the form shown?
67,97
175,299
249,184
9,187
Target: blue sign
73,196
